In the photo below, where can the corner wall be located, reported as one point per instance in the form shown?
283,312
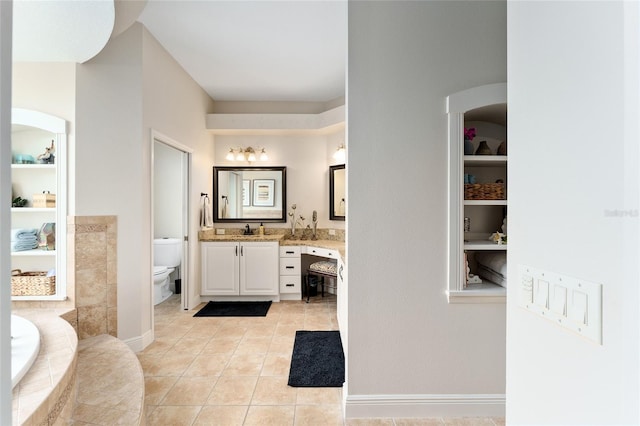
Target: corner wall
411,353
573,206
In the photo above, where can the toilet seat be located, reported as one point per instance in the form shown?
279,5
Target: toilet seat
157,270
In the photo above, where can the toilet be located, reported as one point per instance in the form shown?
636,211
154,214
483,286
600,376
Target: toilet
167,256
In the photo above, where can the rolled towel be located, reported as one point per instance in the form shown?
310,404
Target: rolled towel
23,233
23,245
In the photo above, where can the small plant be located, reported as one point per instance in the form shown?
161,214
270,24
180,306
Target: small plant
469,133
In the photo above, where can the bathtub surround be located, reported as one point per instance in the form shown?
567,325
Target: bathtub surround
92,264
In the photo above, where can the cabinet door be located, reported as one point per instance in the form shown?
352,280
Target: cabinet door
220,269
259,269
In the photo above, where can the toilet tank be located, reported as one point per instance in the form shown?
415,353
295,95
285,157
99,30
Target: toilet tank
167,252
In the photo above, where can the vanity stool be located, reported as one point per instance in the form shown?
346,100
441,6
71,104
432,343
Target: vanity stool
324,269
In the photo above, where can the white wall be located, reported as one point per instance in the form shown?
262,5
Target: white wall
131,87
307,158
167,191
410,352
573,163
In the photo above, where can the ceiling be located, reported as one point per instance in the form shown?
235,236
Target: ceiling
265,50
236,50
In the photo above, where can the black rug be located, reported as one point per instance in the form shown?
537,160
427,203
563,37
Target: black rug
317,360
234,309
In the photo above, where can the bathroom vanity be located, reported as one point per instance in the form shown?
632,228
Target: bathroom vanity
236,266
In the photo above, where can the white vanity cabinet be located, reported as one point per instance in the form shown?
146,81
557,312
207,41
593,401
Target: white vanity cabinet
290,273
240,268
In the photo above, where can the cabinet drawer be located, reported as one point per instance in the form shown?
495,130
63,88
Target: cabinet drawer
289,251
290,284
289,266
317,251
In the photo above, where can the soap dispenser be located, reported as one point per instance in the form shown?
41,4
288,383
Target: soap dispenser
261,231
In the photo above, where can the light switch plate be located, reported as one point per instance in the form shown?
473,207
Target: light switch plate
569,302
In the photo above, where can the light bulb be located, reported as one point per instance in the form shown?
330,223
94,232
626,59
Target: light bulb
251,156
263,155
230,156
339,155
240,156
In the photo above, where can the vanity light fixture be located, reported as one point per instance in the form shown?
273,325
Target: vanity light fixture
246,154
340,153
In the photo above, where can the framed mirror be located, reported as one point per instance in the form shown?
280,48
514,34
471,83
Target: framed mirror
337,197
249,194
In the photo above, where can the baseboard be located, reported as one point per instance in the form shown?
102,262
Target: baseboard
446,405
137,344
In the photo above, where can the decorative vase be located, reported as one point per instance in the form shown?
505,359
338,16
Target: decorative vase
502,149
483,149
468,147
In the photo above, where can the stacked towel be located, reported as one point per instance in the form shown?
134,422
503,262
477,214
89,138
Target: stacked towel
24,239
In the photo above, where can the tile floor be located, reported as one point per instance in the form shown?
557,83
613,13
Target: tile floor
234,371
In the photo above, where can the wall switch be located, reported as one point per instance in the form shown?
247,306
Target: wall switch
569,302
332,232
219,231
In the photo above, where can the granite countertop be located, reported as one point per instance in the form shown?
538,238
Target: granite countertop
210,236
232,238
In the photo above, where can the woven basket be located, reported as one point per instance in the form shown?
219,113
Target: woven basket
32,283
484,191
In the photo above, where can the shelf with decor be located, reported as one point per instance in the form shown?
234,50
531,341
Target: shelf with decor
478,195
39,186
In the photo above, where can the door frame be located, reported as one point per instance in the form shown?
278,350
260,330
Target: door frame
187,168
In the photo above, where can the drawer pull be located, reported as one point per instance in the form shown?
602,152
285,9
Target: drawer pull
289,252
289,267
289,285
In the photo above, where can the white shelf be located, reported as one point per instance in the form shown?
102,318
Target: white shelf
33,209
483,245
485,202
485,160
485,292
34,166
34,252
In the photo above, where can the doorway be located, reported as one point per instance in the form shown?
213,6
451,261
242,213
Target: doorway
171,183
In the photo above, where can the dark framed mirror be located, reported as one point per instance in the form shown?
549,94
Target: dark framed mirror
249,194
337,196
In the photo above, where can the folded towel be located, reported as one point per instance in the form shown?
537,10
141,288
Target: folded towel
23,245
21,233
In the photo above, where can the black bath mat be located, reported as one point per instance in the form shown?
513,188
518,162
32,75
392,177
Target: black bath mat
234,309
317,360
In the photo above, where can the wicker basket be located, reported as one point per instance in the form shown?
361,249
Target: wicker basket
484,191
32,283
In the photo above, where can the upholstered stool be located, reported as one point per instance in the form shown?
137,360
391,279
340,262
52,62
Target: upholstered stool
321,270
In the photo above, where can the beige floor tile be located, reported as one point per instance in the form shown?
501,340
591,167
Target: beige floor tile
273,391
156,388
169,364
191,345
282,344
319,396
208,365
276,364
230,331
160,345
217,415
261,331
326,415
232,390
221,345
244,365
286,330
499,421
190,391
166,415
280,415
254,345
